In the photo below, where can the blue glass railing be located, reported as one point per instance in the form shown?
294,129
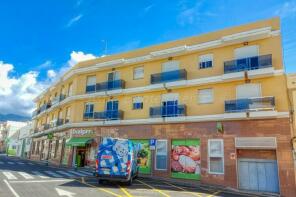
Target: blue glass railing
168,111
109,115
163,77
105,86
88,115
250,104
250,63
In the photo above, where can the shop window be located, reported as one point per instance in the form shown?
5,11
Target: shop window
205,61
216,156
137,102
161,155
205,96
139,73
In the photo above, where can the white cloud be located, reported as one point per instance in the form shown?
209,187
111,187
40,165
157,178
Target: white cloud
74,20
46,64
192,14
51,74
17,93
288,9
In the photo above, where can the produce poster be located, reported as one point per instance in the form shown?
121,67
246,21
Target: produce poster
185,159
144,156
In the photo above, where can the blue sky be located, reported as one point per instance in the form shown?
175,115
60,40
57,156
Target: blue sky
41,39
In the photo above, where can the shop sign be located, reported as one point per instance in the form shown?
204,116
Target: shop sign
50,136
152,144
82,132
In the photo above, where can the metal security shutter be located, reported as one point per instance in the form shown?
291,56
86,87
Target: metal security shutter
248,91
248,51
258,175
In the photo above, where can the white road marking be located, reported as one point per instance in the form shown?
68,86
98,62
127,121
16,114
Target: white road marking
76,173
1,162
51,173
20,163
9,175
31,164
65,173
11,188
62,192
41,181
26,175
43,176
11,163
86,173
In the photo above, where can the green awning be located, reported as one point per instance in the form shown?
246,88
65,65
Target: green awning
78,141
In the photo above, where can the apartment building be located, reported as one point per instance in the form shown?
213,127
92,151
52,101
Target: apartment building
215,104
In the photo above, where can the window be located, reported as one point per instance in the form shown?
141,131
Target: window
161,154
248,91
205,96
68,115
206,61
70,89
137,102
139,73
88,110
216,156
113,76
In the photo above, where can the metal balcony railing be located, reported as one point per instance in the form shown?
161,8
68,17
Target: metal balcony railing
60,122
43,108
168,111
62,97
250,63
163,77
250,104
105,86
109,115
88,115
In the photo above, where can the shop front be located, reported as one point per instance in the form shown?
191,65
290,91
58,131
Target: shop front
80,148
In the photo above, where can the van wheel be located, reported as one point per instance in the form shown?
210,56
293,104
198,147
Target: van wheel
130,182
101,181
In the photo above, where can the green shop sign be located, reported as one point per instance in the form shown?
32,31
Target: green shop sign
50,136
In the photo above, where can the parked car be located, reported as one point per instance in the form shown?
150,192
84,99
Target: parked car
117,160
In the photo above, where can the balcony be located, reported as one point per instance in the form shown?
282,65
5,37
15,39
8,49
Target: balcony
62,97
169,76
106,86
251,104
46,126
88,115
109,115
250,63
168,111
60,122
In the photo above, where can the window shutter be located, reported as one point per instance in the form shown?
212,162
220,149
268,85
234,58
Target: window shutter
170,66
170,97
91,80
248,91
248,51
205,95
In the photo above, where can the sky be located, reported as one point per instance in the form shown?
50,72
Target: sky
40,40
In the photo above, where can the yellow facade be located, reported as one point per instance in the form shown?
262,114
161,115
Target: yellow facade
272,84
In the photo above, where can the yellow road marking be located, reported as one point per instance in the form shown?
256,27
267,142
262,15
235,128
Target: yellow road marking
101,189
213,194
184,190
125,191
153,188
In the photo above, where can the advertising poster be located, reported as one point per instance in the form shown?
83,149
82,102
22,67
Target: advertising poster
185,159
144,156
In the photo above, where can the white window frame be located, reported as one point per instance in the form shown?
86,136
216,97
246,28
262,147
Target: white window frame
199,92
215,156
136,72
206,58
167,155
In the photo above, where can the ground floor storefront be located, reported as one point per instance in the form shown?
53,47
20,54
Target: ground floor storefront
252,155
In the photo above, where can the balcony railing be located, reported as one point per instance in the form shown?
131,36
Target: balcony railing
105,86
62,97
251,104
60,122
163,77
88,115
168,111
250,63
109,115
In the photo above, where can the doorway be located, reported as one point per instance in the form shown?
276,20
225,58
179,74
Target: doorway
80,156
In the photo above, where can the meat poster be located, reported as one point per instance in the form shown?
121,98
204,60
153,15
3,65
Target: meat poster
185,159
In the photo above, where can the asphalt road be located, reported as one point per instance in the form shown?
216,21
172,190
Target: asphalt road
22,178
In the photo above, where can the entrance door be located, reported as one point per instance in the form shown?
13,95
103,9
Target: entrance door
258,175
112,110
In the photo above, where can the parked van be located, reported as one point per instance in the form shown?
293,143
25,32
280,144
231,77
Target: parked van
117,160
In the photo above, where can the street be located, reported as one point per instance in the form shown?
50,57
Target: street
22,178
